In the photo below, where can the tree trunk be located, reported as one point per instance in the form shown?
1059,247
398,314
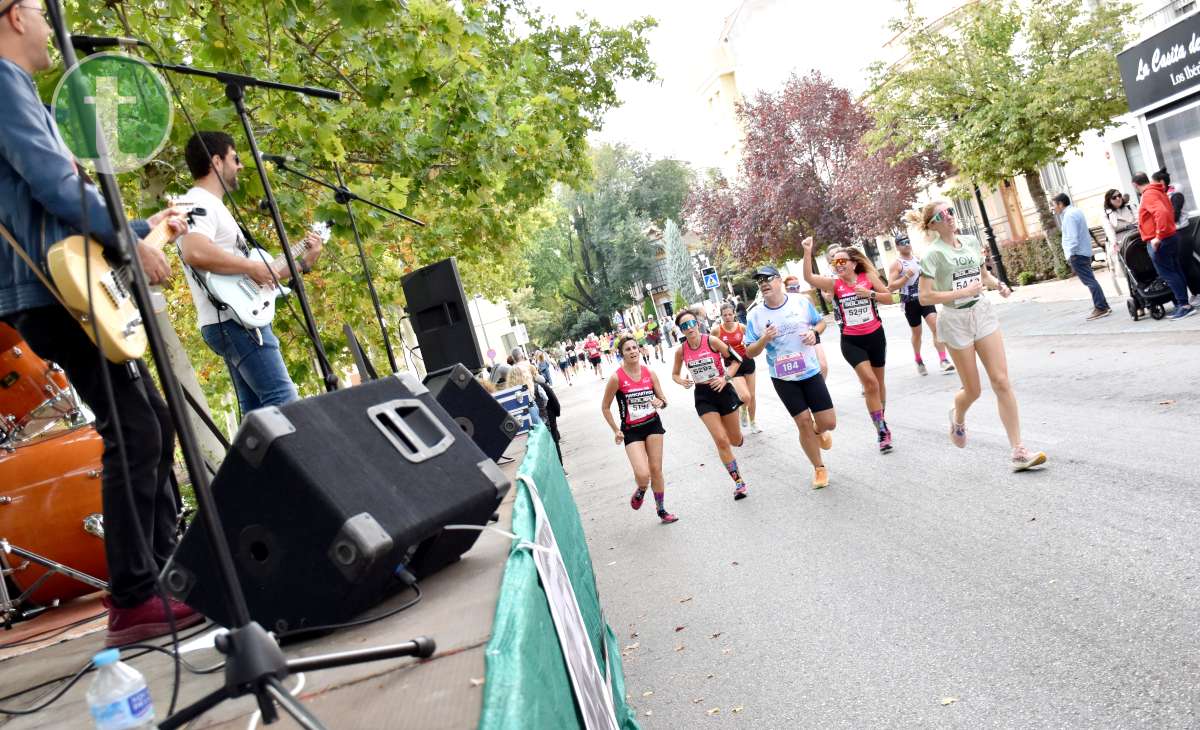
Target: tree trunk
1049,223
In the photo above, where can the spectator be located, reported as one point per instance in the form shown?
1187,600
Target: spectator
543,366
1120,217
1189,264
1077,247
1156,222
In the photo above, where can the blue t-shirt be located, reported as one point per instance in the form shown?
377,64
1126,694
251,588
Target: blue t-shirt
788,358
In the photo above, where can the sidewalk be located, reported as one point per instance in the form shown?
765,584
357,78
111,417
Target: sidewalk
1070,290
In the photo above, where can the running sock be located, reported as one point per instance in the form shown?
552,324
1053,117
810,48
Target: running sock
877,419
920,361
734,472
658,501
641,494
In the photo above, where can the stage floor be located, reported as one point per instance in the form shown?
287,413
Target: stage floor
445,691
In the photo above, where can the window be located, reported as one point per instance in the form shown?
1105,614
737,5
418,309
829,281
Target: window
1177,144
965,215
1133,155
1054,180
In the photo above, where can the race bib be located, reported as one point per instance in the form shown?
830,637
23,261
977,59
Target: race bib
858,311
789,365
964,278
640,406
703,370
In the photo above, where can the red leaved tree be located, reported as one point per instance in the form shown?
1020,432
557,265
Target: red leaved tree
805,170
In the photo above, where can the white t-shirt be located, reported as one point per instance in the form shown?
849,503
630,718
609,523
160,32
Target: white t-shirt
220,227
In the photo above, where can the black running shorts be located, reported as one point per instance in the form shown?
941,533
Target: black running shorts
799,396
860,348
746,368
914,311
643,430
722,403
595,360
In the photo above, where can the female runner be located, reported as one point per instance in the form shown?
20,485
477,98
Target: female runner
731,332
856,290
716,400
639,397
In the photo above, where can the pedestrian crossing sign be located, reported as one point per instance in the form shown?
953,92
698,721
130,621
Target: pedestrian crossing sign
711,281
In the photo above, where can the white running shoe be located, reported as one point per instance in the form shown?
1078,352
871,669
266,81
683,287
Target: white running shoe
947,366
1023,458
922,369
755,428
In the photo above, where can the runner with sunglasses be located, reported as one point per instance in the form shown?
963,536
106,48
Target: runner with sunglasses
639,398
731,332
903,277
953,275
856,291
792,285
716,399
787,327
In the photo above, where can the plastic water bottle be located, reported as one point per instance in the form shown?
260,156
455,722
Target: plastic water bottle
118,698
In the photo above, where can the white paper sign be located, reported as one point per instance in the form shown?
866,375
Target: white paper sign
591,687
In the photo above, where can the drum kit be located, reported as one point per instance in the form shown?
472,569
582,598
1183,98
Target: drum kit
51,518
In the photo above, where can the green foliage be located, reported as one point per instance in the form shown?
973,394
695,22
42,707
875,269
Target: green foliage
662,190
1025,278
679,263
1001,88
1034,257
585,262
460,114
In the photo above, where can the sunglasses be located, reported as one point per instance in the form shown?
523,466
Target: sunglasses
765,279
687,324
840,262
941,214
794,288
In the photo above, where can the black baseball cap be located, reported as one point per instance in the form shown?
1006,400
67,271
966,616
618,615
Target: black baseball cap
765,272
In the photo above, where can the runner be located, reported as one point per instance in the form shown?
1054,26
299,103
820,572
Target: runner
788,326
606,346
731,332
792,284
856,289
591,346
716,400
654,337
953,275
566,362
639,397
903,277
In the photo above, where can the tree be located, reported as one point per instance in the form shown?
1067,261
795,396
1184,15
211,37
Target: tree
662,190
806,170
679,263
461,114
1003,87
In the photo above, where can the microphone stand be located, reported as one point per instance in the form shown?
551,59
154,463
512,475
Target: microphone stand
255,664
235,90
344,196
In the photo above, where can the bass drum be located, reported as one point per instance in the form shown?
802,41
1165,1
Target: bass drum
50,505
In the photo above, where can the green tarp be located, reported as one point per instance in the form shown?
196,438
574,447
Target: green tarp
527,685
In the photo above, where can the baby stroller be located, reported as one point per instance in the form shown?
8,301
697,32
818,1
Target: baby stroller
1146,289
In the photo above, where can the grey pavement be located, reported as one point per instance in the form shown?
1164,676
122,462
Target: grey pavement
930,587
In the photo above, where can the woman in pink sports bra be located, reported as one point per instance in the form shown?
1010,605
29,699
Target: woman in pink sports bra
717,401
639,398
857,290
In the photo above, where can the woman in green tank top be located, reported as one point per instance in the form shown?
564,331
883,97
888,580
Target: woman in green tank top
954,275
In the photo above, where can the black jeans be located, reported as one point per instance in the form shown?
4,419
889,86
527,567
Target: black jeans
149,447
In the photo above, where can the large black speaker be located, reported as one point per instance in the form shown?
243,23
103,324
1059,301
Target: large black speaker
324,499
437,309
474,409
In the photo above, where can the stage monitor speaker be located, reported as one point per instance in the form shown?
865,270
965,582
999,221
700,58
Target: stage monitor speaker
474,409
324,500
437,310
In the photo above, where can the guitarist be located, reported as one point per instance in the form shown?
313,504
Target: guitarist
215,244
43,200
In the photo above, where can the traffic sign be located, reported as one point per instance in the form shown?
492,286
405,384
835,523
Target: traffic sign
711,280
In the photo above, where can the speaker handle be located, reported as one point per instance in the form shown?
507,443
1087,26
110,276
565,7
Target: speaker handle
412,428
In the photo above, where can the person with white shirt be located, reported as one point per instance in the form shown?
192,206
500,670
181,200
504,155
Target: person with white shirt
215,244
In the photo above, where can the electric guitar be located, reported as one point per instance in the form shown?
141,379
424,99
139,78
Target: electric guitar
117,329
252,304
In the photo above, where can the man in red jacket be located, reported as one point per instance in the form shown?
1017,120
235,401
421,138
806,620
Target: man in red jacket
1156,224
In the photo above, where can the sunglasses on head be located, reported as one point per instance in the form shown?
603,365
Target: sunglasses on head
942,214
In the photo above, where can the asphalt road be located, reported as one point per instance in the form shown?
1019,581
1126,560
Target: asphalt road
930,587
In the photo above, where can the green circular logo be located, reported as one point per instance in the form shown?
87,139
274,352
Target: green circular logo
117,101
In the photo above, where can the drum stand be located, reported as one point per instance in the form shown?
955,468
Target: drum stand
11,607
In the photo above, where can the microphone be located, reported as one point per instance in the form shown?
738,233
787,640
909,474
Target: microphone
280,159
92,42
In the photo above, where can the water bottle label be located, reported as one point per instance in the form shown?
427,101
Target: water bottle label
125,713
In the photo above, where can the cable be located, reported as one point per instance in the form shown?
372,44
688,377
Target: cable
52,698
50,633
357,622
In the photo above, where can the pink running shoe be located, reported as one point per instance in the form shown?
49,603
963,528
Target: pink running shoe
667,518
1023,458
639,496
739,492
